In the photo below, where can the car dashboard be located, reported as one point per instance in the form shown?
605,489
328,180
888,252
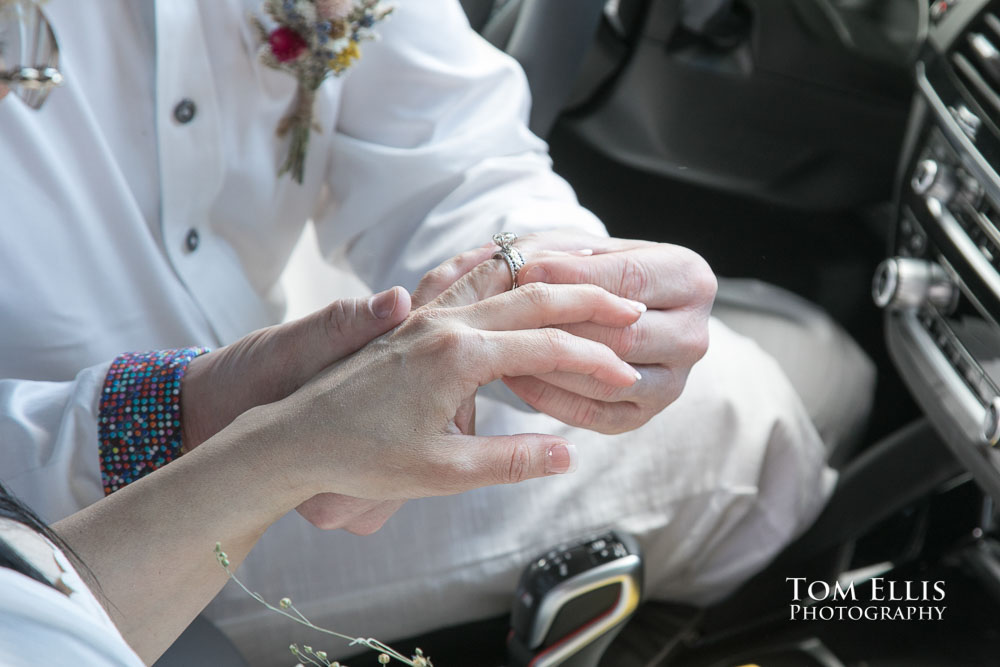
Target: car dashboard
940,286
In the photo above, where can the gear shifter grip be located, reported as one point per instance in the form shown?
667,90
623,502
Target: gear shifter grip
573,600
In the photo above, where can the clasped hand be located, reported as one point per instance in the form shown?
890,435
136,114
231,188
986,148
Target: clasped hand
393,418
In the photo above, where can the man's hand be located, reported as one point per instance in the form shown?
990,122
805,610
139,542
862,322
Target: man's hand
675,284
270,364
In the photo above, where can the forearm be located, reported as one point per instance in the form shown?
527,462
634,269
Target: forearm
150,544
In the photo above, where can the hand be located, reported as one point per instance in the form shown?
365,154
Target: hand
677,286
384,423
270,364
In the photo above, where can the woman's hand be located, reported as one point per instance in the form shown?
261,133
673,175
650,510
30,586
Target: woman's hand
393,420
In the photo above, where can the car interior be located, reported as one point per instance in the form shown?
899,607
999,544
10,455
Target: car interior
836,162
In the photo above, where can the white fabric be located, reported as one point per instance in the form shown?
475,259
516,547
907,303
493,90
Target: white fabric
423,153
42,626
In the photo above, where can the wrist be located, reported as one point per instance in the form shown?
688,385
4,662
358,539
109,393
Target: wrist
271,440
139,422
192,402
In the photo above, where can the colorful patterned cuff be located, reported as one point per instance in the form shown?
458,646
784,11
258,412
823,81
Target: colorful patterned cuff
139,423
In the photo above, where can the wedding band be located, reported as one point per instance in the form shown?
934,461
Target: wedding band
508,253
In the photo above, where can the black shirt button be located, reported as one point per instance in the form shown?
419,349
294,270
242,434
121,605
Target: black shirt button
192,240
185,110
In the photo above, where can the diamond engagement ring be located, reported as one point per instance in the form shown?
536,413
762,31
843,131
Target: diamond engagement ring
508,253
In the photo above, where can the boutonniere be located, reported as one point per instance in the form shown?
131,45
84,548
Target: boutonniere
312,40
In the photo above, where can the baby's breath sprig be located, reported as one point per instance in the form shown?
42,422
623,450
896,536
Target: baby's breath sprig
306,653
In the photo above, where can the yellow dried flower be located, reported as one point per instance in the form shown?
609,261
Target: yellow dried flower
345,58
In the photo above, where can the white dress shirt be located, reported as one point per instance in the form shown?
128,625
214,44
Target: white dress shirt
118,233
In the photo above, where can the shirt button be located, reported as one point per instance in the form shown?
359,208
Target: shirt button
192,240
185,110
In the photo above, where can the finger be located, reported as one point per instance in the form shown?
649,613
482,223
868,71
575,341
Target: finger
330,511
471,462
659,386
539,305
439,279
514,353
375,518
577,410
661,276
665,337
488,278
574,241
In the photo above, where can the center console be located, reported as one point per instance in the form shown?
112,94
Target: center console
941,286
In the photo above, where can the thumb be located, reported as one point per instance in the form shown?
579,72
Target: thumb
269,364
510,459
345,326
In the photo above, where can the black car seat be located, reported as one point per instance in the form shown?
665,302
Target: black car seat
833,376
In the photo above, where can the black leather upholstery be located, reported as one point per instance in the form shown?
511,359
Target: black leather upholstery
548,37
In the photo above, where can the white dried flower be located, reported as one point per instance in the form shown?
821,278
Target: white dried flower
334,10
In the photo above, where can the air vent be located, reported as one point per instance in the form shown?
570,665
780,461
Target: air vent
976,59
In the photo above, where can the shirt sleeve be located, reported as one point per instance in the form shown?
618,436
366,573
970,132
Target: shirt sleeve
48,442
432,153
64,445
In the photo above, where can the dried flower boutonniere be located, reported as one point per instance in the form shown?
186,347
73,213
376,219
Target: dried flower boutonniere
313,39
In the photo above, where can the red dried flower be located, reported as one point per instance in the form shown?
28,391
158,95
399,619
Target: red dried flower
286,44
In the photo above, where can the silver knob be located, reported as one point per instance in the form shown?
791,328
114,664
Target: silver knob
933,179
905,283
991,422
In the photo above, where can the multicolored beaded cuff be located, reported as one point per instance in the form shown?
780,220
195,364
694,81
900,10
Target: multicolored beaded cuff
140,414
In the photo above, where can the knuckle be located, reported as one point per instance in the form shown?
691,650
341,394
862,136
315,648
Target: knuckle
626,417
703,284
537,294
635,278
693,345
589,414
338,317
517,466
630,340
556,340
444,342
365,526
440,275
699,345
422,321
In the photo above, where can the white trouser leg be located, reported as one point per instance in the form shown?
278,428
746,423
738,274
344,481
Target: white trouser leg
713,487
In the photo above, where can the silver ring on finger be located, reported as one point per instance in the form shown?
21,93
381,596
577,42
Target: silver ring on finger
510,254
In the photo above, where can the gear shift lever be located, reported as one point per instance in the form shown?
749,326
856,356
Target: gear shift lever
573,600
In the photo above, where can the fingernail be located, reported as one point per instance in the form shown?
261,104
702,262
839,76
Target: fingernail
535,274
586,252
560,459
638,305
638,375
383,303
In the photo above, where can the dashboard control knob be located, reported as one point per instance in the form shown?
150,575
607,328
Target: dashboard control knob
991,422
933,179
902,283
